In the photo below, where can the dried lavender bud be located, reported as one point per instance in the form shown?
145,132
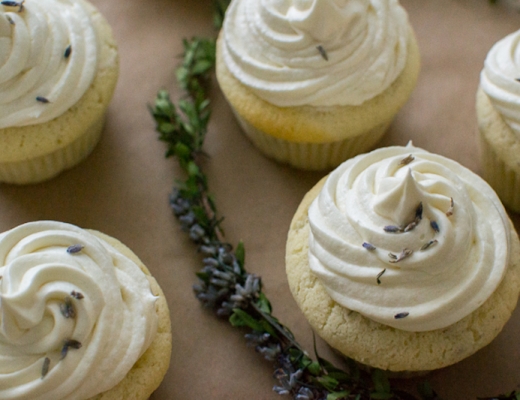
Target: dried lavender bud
323,52
392,229
45,366
77,295
304,393
281,391
208,250
449,213
379,276
401,315
68,51
404,254
411,226
270,352
10,3
67,308
369,246
435,226
69,344
210,262
407,160
429,244
419,212
75,248
196,232
42,99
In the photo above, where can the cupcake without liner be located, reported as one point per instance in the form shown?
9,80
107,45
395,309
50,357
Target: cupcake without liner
312,94
404,260
498,115
59,70
82,317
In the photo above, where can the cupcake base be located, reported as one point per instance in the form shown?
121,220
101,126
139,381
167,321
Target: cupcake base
381,346
312,156
47,166
500,149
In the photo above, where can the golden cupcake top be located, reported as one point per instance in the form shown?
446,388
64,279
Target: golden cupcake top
407,238
315,52
48,58
75,313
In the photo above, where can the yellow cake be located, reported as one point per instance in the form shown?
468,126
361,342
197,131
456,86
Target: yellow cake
61,68
404,260
498,114
311,94
82,317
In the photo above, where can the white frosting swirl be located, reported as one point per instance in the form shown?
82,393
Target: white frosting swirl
433,287
271,46
33,62
499,79
115,320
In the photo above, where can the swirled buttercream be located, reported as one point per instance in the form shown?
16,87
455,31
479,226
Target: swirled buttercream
315,52
499,79
40,78
74,320
407,238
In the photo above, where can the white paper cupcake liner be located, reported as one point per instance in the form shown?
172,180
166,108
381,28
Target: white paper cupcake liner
502,178
44,167
312,156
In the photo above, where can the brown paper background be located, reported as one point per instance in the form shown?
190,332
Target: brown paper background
122,188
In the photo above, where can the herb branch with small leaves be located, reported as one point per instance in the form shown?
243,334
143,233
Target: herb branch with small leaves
224,285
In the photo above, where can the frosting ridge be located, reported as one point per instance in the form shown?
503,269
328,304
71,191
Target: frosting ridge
284,52
73,320
35,63
408,238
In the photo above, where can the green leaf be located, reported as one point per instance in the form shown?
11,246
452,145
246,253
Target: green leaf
381,383
182,74
264,304
327,382
241,318
166,127
240,254
201,66
425,391
182,151
314,368
203,276
339,375
337,395
192,169
268,328
381,396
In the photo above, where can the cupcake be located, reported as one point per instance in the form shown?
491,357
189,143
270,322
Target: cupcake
498,115
404,260
312,93
80,317
59,66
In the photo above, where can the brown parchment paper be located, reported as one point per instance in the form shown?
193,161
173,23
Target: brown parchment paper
122,188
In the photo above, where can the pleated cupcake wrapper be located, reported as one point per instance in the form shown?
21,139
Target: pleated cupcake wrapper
44,167
312,156
502,178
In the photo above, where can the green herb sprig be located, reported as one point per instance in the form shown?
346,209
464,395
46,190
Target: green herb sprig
224,284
